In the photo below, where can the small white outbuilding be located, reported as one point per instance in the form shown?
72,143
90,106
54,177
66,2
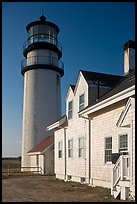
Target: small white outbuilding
41,157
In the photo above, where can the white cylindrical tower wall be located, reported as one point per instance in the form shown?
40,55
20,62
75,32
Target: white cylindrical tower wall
42,84
42,106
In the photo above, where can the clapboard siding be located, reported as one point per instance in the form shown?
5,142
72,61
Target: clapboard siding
103,123
77,128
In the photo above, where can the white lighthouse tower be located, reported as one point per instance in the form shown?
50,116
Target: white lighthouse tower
42,71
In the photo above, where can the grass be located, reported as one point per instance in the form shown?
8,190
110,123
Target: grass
37,188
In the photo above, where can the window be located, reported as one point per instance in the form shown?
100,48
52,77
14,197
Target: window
60,149
30,32
69,177
37,160
70,148
108,149
81,147
81,102
123,143
82,179
70,110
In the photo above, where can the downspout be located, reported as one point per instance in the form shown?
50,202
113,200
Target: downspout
89,150
65,157
65,161
89,135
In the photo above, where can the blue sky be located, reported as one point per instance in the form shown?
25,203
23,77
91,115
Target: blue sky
92,35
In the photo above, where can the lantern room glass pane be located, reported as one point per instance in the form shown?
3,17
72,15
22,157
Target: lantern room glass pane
41,29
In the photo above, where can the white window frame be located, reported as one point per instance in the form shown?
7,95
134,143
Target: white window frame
80,148
70,149
81,105
108,149
120,149
70,111
60,149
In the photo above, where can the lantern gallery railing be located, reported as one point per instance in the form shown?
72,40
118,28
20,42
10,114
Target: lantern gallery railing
44,60
42,38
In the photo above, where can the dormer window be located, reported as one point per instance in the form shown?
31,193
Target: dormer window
70,110
81,102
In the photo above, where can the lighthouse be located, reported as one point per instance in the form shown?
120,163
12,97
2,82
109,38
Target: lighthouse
42,70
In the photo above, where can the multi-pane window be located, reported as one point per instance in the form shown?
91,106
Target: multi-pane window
70,148
81,102
108,149
70,110
81,147
60,149
123,143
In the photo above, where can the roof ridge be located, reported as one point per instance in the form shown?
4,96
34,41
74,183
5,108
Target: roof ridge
100,73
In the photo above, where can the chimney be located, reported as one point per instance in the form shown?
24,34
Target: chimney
129,56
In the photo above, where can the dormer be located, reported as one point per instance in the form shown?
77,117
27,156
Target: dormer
69,102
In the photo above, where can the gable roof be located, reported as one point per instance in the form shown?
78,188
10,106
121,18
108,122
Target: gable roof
43,145
90,77
72,87
127,84
106,79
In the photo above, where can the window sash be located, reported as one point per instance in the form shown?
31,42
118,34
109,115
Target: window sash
81,147
108,156
60,149
70,153
81,102
123,143
70,148
108,149
70,110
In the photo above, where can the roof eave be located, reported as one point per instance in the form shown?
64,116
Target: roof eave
33,153
57,124
39,152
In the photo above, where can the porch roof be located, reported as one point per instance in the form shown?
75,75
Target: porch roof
43,145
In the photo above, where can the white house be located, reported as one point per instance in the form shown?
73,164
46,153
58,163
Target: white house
94,143
42,157
113,139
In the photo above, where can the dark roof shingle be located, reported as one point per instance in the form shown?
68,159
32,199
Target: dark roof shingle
126,82
106,79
